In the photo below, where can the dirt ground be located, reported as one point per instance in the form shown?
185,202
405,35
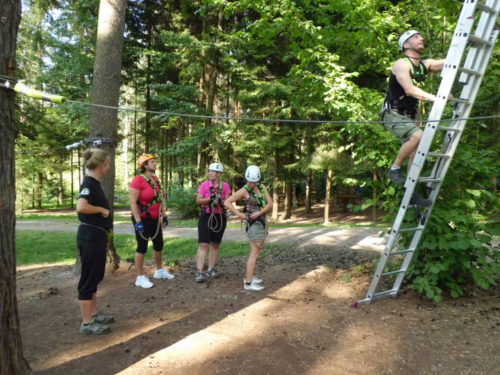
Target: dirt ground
302,323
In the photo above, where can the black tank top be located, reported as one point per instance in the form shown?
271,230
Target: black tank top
396,98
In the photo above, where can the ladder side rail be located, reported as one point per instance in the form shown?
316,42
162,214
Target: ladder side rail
389,245
469,91
464,25
407,260
483,30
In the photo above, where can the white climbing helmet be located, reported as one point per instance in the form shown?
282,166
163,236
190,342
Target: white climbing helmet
405,36
218,167
252,173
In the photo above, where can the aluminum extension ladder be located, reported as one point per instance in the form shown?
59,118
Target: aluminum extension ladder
476,32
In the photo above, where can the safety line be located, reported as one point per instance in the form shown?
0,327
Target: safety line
215,117
58,99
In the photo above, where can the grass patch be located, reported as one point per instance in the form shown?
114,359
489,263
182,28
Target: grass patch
36,247
66,217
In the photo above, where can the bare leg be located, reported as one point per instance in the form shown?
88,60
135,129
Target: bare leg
88,308
200,256
408,148
255,247
139,263
213,257
158,259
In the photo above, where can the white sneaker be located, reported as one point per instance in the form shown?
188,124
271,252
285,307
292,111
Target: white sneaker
143,282
252,286
257,280
163,274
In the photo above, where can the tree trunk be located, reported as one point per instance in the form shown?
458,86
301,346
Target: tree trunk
72,181
374,196
288,200
276,197
106,91
39,190
307,208
328,199
11,350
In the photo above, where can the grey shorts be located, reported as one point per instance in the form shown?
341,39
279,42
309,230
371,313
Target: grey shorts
400,126
257,232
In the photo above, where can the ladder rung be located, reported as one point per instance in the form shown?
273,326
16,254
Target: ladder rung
393,272
477,40
485,7
403,252
385,293
470,71
413,229
438,155
458,100
429,179
447,128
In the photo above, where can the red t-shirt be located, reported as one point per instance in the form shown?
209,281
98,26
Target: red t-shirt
147,194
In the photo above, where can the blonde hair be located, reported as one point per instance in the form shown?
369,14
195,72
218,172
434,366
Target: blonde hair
94,157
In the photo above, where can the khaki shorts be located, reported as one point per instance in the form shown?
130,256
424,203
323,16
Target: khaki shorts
257,232
401,130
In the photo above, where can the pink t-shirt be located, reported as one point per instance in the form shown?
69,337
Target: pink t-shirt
205,191
147,194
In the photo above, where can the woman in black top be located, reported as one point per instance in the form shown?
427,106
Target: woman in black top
92,237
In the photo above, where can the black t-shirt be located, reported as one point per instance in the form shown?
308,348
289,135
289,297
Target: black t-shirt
91,190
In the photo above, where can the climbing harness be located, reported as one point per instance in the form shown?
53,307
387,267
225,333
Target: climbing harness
144,208
261,201
215,224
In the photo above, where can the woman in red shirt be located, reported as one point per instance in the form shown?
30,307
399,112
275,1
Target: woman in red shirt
147,203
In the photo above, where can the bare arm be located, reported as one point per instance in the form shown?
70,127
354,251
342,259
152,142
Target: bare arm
134,197
401,70
84,207
200,201
228,203
434,66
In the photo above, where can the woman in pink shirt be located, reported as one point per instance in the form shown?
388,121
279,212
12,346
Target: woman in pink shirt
147,203
212,222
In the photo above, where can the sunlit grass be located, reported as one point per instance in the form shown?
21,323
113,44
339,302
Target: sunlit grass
35,247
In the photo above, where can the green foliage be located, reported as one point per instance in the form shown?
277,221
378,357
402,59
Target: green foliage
312,60
182,200
457,246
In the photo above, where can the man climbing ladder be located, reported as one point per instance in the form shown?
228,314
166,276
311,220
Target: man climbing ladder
470,50
400,106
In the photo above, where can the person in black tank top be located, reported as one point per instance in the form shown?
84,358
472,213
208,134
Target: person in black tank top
401,102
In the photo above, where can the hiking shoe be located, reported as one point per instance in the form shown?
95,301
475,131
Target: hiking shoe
199,277
143,282
94,328
163,274
102,318
252,286
396,176
257,280
213,274
417,200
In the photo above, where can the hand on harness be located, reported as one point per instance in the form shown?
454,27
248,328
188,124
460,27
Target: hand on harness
139,227
165,221
215,201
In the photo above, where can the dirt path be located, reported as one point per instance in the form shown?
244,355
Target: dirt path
301,324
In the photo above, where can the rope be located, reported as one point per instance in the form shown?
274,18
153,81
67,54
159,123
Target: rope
264,119
58,99
212,223
157,227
